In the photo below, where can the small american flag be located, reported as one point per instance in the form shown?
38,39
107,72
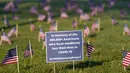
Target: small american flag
95,26
114,21
6,21
12,32
100,8
33,10
50,13
53,27
90,49
41,34
94,11
84,17
86,31
122,13
64,15
79,10
126,58
11,57
126,29
14,16
28,51
5,38
74,24
41,17
32,26
50,19
8,6
47,7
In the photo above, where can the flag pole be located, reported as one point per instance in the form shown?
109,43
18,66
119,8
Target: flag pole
89,59
38,34
124,68
98,24
88,41
30,23
1,38
17,60
16,30
43,46
123,31
30,48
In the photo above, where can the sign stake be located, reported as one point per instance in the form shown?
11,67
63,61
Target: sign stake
73,65
54,67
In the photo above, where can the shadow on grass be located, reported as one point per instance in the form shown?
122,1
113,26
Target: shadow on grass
92,35
86,64
20,24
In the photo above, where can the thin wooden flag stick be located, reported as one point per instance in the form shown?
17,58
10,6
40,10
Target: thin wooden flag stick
16,30
39,34
30,23
124,68
17,59
30,48
123,31
73,65
88,41
43,45
54,67
1,37
99,24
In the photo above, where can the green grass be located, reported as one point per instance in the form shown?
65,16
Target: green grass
106,58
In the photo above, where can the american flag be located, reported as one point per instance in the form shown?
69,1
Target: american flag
32,26
79,10
94,11
6,21
8,6
33,10
28,51
47,7
86,31
41,17
15,17
72,5
126,29
111,3
95,26
50,13
41,34
50,19
90,49
100,8
5,38
64,15
84,17
11,6
12,32
53,27
126,58
74,24
11,57
113,21
122,13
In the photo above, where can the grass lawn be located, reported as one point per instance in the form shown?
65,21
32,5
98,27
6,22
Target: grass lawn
106,58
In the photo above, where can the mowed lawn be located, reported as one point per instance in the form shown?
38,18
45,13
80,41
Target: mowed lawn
106,58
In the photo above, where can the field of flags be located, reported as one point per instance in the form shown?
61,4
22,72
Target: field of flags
105,26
